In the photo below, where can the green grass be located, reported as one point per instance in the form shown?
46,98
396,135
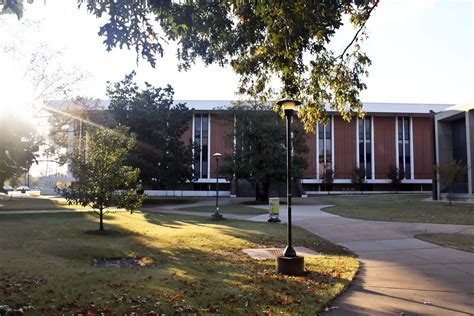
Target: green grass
198,269
230,208
25,203
463,242
398,208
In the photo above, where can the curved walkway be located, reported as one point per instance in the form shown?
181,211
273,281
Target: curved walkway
400,275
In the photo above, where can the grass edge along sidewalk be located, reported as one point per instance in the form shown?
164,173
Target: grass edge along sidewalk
398,208
463,242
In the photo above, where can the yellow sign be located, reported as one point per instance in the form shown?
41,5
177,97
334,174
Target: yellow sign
274,206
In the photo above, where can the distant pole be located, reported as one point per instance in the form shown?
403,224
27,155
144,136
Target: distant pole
217,215
217,186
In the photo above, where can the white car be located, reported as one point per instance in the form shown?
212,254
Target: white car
7,188
23,188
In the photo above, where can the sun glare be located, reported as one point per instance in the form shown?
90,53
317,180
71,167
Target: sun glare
16,96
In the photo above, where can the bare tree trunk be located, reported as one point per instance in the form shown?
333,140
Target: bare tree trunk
450,196
266,190
101,216
258,195
2,181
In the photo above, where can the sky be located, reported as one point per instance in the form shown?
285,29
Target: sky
421,50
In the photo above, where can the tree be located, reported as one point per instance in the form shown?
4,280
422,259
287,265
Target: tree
103,179
159,124
32,69
260,40
260,149
358,178
396,176
451,173
19,143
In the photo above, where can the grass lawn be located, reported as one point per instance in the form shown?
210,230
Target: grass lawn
398,208
197,266
230,208
25,203
464,242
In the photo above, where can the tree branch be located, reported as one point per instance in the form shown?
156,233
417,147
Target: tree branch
376,3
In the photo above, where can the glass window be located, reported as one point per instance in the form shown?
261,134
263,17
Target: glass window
201,138
365,145
324,148
404,144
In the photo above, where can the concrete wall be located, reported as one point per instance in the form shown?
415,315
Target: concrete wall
444,142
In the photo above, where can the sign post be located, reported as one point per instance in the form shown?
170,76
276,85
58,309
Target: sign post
274,210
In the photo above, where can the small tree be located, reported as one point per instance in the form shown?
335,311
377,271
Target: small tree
450,174
328,177
103,180
358,178
396,175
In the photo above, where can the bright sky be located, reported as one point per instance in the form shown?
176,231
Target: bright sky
422,51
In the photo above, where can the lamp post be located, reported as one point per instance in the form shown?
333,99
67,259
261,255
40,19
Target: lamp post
289,263
217,215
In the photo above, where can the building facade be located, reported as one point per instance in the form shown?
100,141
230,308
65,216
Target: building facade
454,130
390,136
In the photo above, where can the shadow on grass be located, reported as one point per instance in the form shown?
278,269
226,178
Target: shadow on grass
198,266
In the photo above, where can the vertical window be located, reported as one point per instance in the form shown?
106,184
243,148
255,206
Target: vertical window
324,148
201,138
404,144
365,145
204,146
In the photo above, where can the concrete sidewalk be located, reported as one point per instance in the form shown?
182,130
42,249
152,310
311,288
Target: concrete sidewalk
399,273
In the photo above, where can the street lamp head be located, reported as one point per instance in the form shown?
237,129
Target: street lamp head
288,104
217,155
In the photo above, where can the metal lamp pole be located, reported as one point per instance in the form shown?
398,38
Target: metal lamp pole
216,214
289,263
289,250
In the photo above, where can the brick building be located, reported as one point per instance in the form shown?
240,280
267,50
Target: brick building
391,134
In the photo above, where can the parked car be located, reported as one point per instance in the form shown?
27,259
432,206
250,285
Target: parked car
23,188
7,188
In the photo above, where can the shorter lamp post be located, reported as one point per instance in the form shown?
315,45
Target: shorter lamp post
289,263
217,215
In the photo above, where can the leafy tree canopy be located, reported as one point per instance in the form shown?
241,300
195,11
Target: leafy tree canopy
261,40
103,178
161,155
260,150
18,144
